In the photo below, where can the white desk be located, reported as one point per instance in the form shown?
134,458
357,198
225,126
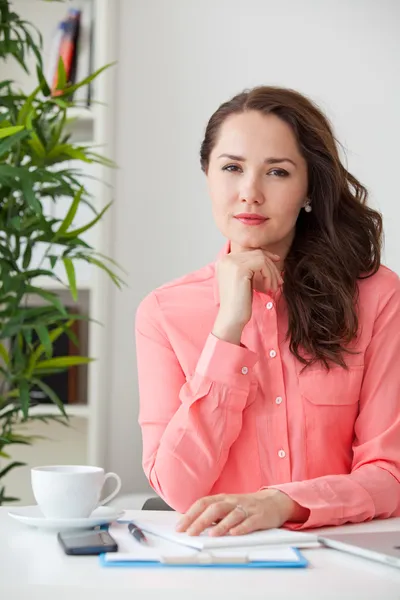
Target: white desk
33,566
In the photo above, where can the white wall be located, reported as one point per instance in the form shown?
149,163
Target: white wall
59,445
179,59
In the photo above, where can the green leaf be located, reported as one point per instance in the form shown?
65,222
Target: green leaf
69,217
14,438
112,261
45,340
34,141
53,260
43,372
103,160
46,91
65,152
7,131
63,361
72,88
4,498
49,296
57,132
4,354
51,394
29,194
53,418
13,393
24,397
27,256
5,83
118,282
27,108
70,270
61,75
71,335
27,333
89,225
9,142
53,335
11,466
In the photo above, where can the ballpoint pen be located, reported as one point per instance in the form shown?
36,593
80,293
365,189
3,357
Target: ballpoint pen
137,533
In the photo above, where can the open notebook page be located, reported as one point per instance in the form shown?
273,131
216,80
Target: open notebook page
163,524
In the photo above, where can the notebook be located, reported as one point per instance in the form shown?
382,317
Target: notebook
163,525
159,552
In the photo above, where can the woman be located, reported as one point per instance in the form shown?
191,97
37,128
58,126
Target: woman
269,384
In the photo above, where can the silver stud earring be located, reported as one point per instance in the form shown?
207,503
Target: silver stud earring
307,206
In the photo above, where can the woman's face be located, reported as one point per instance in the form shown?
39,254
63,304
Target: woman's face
256,170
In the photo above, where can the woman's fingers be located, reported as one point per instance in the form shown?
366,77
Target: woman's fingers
234,518
265,263
271,276
196,510
247,526
276,277
214,512
273,257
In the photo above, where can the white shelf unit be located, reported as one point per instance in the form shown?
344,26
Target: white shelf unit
72,410
80,114
97,124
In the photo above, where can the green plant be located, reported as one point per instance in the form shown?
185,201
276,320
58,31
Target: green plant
35,154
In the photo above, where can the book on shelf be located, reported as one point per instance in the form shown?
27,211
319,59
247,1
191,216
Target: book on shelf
73,44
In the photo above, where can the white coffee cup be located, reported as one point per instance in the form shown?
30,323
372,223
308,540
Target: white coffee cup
70,491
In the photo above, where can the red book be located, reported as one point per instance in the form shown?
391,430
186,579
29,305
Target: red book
68,48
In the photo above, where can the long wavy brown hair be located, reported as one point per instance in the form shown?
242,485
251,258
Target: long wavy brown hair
336,244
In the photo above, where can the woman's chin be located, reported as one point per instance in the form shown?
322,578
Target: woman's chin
249,242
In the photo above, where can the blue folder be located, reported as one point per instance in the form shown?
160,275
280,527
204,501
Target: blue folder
144,564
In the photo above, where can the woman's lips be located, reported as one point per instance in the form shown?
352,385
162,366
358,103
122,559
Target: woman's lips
251,219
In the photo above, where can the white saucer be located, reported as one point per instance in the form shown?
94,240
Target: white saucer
32,516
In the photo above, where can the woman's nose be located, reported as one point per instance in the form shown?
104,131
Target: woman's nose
252,193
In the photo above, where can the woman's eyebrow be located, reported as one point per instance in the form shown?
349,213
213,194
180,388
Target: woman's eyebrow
270,161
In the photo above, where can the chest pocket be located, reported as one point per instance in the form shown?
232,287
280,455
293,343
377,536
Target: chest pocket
330,403
335,388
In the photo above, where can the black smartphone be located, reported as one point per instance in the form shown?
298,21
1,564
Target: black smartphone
87,542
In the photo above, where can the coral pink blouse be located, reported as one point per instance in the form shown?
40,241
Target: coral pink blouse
221,418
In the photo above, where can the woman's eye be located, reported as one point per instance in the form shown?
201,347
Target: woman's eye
231,168
280,172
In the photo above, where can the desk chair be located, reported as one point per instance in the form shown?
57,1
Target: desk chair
156,504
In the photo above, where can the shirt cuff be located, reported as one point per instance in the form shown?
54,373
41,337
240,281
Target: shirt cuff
226,363
309,496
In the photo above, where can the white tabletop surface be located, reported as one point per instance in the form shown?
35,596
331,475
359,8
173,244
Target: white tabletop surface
33,566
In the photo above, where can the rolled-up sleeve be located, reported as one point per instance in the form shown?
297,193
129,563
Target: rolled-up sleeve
188,424
372,489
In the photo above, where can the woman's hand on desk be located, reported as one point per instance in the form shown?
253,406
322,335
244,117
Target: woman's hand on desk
238,514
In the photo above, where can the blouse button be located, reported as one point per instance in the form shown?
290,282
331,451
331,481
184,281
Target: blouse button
281,454
272,353
269,305
279,400
245,370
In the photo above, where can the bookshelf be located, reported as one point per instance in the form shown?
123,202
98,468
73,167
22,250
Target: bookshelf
94,125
